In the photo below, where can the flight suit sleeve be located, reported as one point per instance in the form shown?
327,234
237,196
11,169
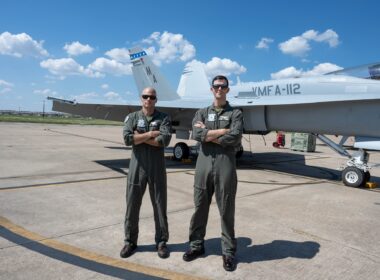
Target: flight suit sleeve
128,130
199,134
165,132
233,137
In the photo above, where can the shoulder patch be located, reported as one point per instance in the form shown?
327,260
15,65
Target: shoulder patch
126,118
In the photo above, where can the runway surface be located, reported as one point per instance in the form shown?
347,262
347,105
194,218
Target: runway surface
62,204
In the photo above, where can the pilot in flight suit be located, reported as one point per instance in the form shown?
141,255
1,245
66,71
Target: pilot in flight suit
147,166
219,129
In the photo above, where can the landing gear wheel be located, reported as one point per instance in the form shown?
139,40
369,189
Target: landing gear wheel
181,151
353,177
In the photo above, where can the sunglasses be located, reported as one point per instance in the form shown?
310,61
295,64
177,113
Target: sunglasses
151,97
219,86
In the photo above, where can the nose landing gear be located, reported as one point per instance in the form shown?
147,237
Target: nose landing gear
356,174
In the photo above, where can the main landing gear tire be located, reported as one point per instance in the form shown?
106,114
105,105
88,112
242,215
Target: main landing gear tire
181,151
354,177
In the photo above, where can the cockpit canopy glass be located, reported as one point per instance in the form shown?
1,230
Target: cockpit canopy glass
368,71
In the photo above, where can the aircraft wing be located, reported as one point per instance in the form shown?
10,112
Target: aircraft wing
96,111
181,115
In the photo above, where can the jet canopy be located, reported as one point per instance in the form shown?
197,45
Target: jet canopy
368,71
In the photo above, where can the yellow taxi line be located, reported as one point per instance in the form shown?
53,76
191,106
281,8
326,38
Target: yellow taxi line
91,256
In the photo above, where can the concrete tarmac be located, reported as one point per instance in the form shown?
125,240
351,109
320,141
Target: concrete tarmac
62,205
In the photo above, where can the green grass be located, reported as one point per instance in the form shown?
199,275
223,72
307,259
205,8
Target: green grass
56,120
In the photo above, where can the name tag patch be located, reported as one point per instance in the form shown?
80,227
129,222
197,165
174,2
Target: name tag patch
141,123
155,125
224,118
211,117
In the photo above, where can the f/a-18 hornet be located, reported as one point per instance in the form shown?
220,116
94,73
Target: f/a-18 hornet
345,102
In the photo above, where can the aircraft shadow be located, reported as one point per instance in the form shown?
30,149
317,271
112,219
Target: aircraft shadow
291,163
118,147
121,165
248,253
117,165
288,163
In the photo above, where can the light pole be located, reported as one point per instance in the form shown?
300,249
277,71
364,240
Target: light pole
43,109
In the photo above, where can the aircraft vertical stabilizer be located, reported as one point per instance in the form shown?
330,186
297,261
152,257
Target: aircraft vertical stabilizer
194,82
146,74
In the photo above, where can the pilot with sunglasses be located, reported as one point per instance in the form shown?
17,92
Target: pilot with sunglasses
219,129
148,131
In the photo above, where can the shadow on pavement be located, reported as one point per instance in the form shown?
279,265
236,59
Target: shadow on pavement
289,163
281,162
277,249
248,253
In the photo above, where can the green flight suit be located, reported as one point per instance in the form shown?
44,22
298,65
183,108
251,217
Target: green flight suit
147,166
215,171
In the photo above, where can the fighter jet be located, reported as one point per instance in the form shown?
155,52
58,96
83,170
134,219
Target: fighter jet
345,102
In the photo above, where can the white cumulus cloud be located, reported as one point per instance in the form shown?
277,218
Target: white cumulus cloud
67,66
168,47
110,66
289,72
297,46
64,67
76,48
300,45
222,66
121,55
322,68
292,72
264,43
20,45
329,36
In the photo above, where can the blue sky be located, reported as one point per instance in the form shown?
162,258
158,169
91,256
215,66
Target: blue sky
78,49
